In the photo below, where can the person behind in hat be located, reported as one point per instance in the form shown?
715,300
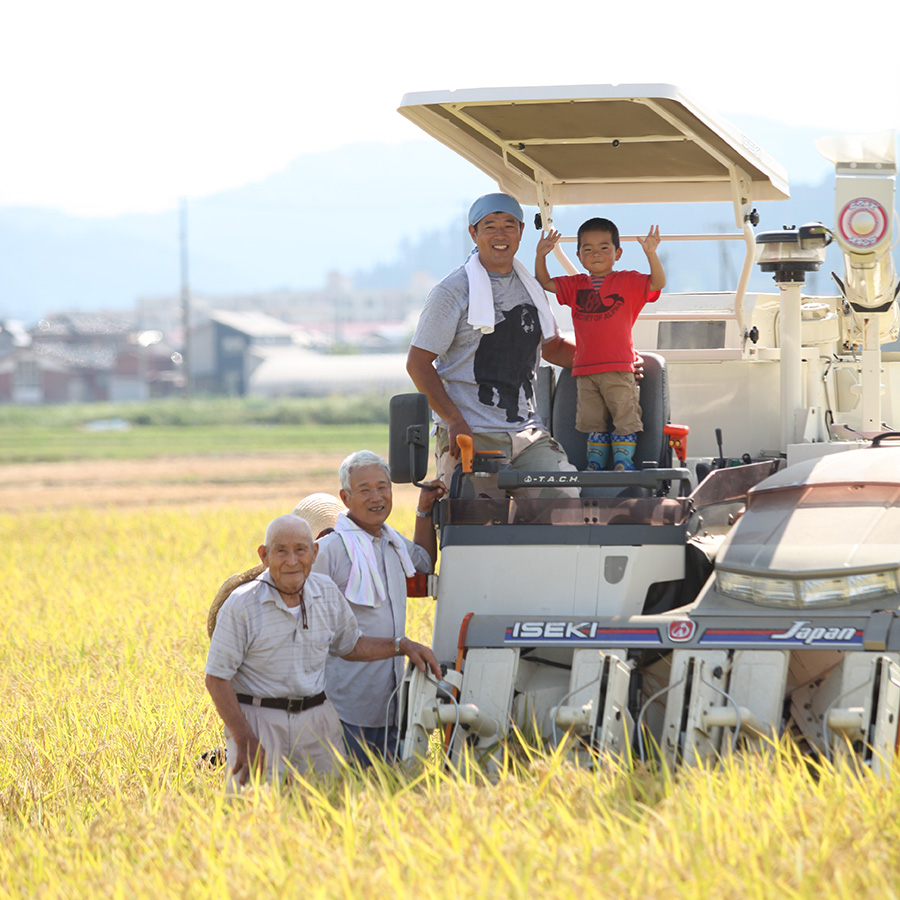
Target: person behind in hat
369,561
479,341
265,670
321,511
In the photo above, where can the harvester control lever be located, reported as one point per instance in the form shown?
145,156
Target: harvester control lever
720,462
726,462
466,451
475,461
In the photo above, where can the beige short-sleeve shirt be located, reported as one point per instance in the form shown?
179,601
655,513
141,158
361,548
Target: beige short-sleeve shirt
264,650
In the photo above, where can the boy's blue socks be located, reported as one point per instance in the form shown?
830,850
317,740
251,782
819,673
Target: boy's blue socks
597,451
623,451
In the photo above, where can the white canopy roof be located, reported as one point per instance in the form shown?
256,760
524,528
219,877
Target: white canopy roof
593,144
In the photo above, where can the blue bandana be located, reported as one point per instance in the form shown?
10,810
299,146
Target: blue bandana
494,203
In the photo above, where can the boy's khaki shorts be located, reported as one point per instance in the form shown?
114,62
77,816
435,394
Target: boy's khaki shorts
605,395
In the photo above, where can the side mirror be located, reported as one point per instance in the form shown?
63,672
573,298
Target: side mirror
408,449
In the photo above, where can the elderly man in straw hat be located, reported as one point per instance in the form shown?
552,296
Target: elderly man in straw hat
369,561
266,665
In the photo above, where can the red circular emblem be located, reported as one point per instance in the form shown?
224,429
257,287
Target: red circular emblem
682,630
863,223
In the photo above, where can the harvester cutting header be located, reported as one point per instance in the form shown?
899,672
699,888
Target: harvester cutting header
725,599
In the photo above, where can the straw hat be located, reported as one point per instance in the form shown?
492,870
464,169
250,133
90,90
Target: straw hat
320,510
225,592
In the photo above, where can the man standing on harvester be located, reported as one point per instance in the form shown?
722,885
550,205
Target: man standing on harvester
480,338
605,305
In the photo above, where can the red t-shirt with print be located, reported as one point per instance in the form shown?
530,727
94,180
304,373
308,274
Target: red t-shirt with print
603,318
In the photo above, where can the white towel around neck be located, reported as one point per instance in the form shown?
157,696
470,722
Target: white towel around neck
365,586
481,297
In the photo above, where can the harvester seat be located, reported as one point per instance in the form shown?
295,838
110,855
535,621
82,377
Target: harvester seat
652,443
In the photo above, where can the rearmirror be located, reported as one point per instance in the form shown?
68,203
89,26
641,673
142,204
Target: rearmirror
408,449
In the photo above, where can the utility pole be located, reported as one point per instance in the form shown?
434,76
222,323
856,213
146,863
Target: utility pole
185,298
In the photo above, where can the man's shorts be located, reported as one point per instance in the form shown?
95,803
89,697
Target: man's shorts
608,395
531,450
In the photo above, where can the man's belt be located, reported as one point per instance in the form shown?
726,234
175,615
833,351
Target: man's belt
289,704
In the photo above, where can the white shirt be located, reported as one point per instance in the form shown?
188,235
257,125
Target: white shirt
264,650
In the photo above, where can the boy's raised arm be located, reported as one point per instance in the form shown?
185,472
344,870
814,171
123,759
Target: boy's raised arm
650,243
544,246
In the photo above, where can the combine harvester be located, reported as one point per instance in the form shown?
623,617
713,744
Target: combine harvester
682,611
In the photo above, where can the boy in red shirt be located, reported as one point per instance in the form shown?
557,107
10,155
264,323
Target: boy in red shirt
605,305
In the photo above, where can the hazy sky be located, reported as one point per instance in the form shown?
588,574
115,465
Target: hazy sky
111,107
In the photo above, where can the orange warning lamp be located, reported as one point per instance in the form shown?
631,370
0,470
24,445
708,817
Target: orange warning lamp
677,435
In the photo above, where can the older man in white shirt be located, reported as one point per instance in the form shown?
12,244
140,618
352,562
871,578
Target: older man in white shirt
370,561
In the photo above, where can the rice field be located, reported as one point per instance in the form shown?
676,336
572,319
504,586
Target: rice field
105,716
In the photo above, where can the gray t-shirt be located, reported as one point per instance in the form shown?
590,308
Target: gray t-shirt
490,377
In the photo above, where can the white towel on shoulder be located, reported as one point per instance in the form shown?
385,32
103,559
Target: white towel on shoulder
365,586
481,297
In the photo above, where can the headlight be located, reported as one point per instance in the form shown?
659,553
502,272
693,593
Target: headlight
804,592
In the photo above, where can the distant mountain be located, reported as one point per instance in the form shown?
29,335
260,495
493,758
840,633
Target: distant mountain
377,211
349,210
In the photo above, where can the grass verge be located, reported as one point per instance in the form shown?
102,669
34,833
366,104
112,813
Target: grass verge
190,427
